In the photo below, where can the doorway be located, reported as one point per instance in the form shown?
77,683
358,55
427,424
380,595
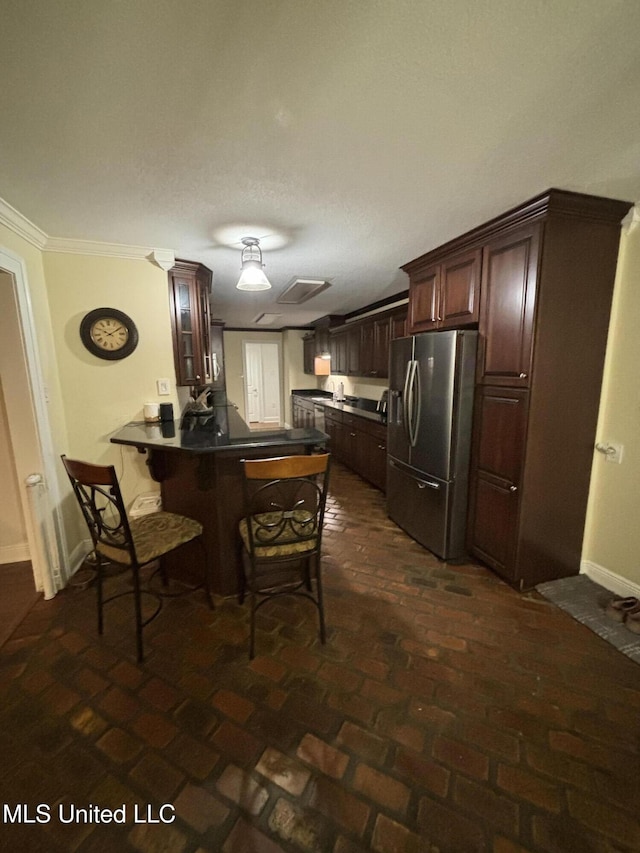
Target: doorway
29,432
262,384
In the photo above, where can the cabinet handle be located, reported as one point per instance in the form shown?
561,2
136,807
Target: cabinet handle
197,376
513,488
352,434
381,447
523,376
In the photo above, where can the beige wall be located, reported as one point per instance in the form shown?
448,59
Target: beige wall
356,386
295,377
612,536
101,396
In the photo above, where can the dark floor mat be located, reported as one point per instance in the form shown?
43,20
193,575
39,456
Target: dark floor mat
586,601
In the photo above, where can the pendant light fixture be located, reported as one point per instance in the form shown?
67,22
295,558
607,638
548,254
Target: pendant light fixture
252,277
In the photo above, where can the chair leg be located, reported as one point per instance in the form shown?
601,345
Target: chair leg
99,592
138,608
323,631
205,570
242,578
307,573
252,638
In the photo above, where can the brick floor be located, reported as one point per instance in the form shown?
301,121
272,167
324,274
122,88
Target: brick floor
446,714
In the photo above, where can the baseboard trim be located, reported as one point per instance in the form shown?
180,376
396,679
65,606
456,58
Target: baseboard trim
14,553
609,580
77,556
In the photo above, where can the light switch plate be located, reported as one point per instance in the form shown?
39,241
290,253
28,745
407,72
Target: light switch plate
163,387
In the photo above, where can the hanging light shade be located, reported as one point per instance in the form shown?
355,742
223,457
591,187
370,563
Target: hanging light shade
252,276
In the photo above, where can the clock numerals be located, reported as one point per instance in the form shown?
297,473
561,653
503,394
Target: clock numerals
109,334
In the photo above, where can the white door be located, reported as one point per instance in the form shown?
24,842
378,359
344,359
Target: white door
262,382
253,382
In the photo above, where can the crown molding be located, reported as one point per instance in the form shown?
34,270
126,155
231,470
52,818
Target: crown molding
21,226
110,250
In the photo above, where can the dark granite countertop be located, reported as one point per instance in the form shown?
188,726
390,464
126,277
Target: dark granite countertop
358,406
219,429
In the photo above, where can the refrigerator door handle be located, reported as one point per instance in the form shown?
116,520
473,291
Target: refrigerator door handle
416,391
405,402
411,404
421,484
425,484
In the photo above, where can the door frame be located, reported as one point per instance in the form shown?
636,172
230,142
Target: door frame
45,536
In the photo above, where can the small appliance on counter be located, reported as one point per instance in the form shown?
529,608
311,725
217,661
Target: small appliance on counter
381,408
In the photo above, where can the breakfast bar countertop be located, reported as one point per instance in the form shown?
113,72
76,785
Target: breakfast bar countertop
221,429
198,463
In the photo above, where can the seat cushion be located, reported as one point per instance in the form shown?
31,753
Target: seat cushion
154,535
277,534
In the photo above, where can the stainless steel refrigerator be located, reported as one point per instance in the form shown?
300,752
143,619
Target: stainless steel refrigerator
431,384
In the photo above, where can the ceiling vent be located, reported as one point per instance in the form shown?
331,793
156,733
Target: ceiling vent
265,319
302,289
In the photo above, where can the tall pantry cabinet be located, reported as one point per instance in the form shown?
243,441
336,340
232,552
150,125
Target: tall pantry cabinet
547,274
547,279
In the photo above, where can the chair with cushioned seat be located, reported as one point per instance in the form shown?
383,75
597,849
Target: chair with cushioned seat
131,543
282,531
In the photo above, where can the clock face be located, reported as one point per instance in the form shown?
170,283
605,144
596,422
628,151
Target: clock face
109,333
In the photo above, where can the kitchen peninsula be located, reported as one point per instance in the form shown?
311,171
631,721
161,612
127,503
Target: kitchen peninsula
197,462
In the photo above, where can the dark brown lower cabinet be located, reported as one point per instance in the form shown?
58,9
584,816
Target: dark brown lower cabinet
360,444
302,413
500,435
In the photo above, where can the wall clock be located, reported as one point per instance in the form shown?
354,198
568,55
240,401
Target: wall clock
109,333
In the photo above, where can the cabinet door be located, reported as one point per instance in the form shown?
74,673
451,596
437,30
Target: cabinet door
509,270
367,348
322,340
185,308
381,338
330,428
373,457
335,428
338,350
353,351
399,323
424,288
497,464
459,303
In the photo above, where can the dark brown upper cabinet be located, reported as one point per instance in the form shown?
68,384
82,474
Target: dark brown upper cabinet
189,295
509,272
445,295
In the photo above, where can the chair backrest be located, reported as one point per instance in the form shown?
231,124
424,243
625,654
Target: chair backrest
98,492
286,497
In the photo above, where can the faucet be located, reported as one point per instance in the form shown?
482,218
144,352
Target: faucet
332,388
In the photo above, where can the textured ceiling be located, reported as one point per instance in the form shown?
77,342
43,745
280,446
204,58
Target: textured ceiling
361,132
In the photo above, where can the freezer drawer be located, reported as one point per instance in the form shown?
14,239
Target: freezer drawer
422,505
